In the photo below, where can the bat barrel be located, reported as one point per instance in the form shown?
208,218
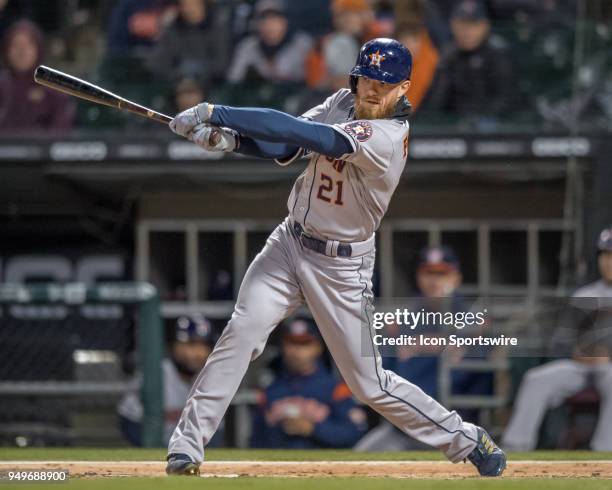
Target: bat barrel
76,87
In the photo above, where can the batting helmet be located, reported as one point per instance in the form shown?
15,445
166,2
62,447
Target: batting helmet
604,244
382,59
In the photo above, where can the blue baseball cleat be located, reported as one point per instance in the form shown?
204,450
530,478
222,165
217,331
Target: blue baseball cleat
181,464
489,459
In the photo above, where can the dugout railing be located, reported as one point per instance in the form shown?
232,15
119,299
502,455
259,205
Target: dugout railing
232,243
490,243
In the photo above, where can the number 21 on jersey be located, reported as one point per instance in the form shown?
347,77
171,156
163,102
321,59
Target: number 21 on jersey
326,190
330,190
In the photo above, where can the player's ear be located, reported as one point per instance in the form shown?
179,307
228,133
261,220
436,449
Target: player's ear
405,86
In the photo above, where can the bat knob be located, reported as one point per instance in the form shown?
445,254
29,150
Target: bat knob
215,137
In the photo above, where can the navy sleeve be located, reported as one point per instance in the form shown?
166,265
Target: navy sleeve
338,430
344,426
277,127
265,149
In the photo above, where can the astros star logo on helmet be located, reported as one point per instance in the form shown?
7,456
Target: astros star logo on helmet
376,59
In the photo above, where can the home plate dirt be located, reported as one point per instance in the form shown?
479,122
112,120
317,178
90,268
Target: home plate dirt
387,469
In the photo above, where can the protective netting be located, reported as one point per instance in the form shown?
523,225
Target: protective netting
65,343
64,365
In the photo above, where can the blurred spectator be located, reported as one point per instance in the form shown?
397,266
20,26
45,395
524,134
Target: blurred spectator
425,59
25,105
194,44
305,406
588,341
477,75
328,64
135,25
438,277
410,11
384,22
191,346
274,53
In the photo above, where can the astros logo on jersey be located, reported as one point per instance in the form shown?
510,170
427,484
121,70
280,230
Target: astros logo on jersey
376,59
362,130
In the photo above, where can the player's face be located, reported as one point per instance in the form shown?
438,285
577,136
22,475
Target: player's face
438,284
188,98
272,29
192,11
301,357
605,266
191,355
412,40
377,100
350,22
470,34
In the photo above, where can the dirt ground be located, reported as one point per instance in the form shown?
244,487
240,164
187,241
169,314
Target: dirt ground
389,469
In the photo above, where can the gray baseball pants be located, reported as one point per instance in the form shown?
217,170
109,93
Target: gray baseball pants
337,290
547,386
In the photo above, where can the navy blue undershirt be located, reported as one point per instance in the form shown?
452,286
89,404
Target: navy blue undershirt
273,134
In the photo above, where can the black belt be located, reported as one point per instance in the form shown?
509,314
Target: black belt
320,246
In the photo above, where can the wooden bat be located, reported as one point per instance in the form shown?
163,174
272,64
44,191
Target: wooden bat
70,85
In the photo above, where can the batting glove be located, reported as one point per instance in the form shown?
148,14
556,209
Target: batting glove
184,123
212,138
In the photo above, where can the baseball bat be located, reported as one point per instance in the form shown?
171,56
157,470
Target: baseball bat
76,87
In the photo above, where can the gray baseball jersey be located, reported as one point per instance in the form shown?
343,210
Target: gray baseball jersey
346,198
340,199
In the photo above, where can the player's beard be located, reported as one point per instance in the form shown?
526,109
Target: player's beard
365,110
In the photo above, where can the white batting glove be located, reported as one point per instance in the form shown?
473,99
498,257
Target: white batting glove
212,138
184,123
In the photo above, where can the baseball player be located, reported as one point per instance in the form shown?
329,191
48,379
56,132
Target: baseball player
586,344
305,406
323,254
193,341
